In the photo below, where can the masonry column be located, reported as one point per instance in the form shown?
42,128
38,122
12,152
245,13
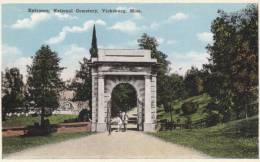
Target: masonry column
94,102
101,125
154,95
147,105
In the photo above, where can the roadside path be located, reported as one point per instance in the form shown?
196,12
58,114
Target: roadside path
130,144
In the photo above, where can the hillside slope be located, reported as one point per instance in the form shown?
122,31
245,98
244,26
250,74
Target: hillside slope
201,100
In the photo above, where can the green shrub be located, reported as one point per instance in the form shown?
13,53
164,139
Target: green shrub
213,106
189,108
84,115
177,111
40,130
225,114
213,118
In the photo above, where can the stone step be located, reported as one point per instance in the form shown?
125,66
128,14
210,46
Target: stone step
132,122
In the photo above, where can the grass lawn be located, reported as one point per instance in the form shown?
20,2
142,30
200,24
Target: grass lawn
15,144
201,100
236,139
29,120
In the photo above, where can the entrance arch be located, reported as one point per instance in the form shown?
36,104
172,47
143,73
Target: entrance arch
137,83
123,98
135,67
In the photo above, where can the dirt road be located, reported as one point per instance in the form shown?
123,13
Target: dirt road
131,144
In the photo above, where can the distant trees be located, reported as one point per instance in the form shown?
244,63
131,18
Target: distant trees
124,98
233,69
12,91
44,81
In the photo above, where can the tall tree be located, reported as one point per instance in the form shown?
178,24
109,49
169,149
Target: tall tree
12,91
193,82
81,84
234,60
173,89
94,50
150,43
44,83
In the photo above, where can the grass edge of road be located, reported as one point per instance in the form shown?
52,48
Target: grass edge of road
235,139
15,144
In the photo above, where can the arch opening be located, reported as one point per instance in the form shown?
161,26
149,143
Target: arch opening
124,99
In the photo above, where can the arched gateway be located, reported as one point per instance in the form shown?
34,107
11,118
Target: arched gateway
115,66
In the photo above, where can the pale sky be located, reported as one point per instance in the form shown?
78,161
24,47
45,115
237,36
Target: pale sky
182,30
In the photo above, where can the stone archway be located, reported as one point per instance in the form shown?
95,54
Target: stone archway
137,83
113,67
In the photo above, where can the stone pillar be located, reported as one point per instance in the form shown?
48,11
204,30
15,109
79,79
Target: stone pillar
101,125
94,102
148,125
154,100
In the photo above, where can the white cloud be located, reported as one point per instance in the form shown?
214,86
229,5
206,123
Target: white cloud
37,18
34,19
70,59
161,40
125,26
172,19
170,42
74,29
205,37
57,39
154,25
181,62
10,50
177,17
13,57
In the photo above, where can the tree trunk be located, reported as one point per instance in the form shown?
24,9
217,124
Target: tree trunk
246,110
171,113
42,116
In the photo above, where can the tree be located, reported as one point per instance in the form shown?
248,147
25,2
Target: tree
94,50
12,91
193,82
150,43
81,84
173,89
124,98
234,60
189,108
44,83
